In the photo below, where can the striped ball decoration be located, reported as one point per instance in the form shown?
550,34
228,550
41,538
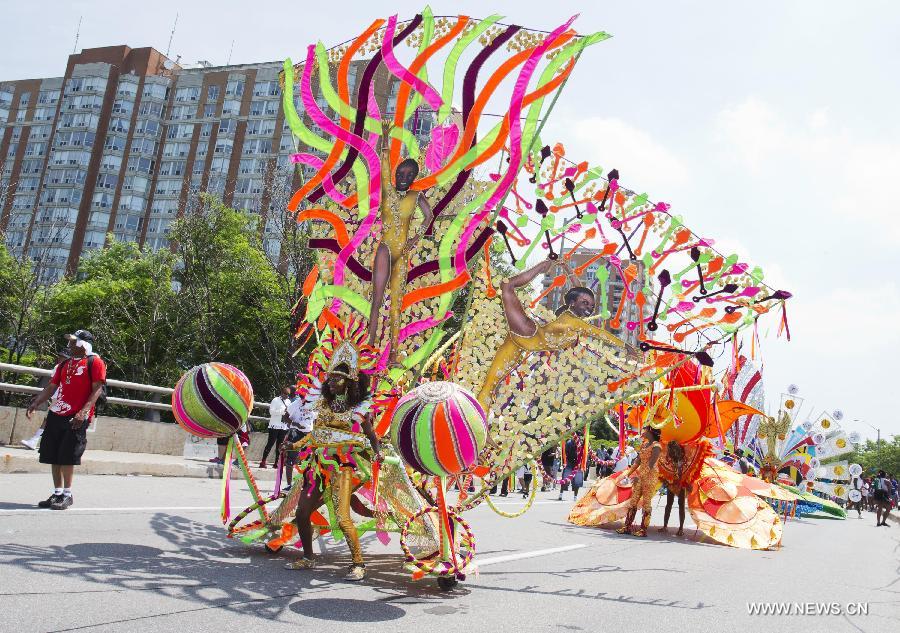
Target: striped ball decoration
439,429
212,400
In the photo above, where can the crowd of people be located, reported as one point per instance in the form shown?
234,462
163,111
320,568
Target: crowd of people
878,493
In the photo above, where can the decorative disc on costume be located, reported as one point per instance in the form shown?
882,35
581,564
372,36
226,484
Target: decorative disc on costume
605,502
212,400
439,428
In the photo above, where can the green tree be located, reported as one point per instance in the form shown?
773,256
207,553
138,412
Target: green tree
124,296
873,456
22,303
230,300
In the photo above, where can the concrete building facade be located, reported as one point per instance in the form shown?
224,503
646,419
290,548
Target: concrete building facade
123,142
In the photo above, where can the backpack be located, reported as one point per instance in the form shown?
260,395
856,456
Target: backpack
101,399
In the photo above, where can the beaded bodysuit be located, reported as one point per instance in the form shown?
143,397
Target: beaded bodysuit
647,479
561,333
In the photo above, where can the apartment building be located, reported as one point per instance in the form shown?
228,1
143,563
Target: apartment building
123,142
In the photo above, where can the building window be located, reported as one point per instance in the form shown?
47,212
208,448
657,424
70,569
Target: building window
48,97
188,93
212,93
107,181
235,87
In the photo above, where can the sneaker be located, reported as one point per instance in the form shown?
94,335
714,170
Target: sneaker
302,563
31,443
63,502
357,573
49,501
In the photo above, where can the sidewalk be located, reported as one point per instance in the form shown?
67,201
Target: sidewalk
21,460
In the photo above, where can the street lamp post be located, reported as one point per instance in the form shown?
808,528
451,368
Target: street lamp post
877,431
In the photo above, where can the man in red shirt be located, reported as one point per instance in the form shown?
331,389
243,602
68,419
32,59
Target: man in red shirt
78,383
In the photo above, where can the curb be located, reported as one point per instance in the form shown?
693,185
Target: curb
11,463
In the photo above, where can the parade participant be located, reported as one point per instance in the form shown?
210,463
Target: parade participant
328,456
644,483
398,206
77,384
526,336
677,487
882,497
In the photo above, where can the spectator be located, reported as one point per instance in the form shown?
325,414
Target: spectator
548,458
527,476
866,494
78,384
856,483
61,357
572,470
278,424
882,497
610,462
301,424
741,464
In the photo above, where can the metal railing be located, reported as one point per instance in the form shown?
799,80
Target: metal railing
118,384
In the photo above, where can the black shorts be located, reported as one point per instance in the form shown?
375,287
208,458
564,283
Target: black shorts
62,445
881,496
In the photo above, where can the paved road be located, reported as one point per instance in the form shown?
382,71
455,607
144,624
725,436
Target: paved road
147,554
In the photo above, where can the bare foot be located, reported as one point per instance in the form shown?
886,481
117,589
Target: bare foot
680,532
663,530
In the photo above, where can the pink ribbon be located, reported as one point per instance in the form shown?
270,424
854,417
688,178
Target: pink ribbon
367,153
401,72
515,141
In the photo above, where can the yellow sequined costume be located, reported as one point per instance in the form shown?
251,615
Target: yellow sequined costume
561,333
397,211
646,481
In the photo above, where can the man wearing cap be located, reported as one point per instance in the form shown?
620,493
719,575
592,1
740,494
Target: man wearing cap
77,383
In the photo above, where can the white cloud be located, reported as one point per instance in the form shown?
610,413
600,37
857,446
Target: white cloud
857,175
643,161
850,322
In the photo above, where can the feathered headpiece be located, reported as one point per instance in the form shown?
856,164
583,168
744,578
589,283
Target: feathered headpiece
344,344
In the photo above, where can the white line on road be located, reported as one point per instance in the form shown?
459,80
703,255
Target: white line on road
131,509
533,554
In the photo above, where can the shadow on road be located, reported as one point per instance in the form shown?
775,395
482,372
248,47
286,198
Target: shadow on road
213,572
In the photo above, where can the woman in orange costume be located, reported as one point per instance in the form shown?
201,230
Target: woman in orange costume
645,482
673,472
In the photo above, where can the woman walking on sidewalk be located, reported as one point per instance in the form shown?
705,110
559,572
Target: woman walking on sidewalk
278,424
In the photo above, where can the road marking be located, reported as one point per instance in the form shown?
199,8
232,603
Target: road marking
521,503
129,509
534,554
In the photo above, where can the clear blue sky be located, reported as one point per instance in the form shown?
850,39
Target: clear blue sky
772,126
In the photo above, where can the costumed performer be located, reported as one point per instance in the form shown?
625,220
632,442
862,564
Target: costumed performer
526,336
674,465
645,483
398,207
335,452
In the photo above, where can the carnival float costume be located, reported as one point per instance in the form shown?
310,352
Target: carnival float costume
569,370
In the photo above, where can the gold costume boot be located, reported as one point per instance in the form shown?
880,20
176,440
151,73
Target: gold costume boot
629,519
645,523
345,490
